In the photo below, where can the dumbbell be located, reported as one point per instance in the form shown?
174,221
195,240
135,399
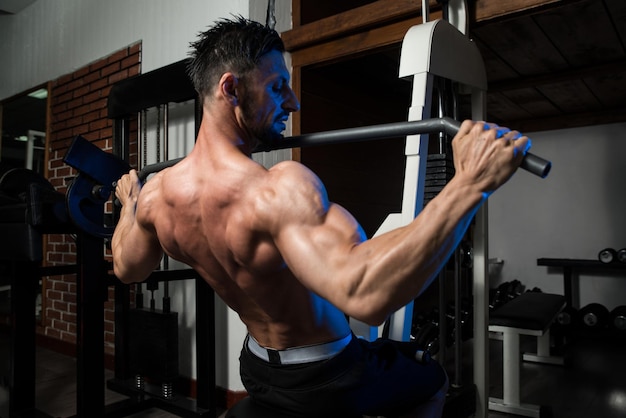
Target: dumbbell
421,321
427,337
515,289
466,321
499,296
607,255
567,322
568,317
617,320
594,317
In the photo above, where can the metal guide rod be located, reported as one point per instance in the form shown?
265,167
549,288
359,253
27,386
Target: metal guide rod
531,162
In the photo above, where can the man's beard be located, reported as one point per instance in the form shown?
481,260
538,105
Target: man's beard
264,133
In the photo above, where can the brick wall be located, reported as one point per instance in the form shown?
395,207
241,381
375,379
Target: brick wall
79,107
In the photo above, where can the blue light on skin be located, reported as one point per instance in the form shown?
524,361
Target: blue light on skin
501,131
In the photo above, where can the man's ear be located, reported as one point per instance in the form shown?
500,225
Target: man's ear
228,88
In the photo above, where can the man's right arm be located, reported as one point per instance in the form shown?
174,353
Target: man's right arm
136,249
326,249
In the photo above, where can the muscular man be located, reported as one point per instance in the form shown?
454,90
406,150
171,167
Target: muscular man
290,262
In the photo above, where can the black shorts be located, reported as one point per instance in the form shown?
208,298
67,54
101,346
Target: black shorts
377,378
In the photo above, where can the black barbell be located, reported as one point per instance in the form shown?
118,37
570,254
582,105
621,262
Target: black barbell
98,170
531,162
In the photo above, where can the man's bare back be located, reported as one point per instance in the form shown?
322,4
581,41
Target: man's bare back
203,211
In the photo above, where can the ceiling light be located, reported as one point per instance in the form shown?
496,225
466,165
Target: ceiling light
39,94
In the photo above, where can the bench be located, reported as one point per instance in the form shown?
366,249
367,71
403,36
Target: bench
531,313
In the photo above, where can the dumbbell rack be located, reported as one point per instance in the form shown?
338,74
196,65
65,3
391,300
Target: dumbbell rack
572,266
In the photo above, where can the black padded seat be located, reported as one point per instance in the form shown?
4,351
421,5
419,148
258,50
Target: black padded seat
530,310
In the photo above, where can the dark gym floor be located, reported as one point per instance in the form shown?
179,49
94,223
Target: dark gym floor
593,384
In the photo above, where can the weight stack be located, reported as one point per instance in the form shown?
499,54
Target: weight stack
439,171
154,345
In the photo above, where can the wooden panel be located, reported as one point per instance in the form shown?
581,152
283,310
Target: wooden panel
366,177
532,101
582,33
609,88
490,9
523,45
570,96
352,45
617,13
502,110
589,71
313,10
358,86
496,68
296,81
362,18
571,52
543,58
296,12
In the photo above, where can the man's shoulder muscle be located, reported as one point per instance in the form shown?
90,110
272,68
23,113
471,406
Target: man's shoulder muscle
292,192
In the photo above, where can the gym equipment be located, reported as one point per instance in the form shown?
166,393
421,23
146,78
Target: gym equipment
154,339
607,255
154,349
98,170
566,327
532,163
531,313
92,187
617,320
439,171
29,208
504,293
428,337
568,318
594,317
621,255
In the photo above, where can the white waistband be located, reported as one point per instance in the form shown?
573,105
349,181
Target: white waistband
297,355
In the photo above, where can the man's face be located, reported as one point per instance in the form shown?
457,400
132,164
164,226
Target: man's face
267,99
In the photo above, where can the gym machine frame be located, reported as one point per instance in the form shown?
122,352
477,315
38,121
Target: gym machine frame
426,54
126,99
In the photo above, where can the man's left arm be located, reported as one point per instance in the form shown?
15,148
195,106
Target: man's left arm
136,249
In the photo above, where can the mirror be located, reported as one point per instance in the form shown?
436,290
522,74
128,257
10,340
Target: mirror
24,130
